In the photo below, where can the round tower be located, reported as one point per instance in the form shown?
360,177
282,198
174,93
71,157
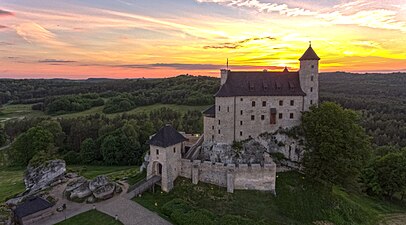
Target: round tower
309,77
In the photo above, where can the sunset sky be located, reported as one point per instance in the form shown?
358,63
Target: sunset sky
160,38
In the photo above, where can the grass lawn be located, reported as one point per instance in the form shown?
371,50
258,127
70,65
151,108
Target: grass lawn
141,109
16,111
92,217
298,201
11,182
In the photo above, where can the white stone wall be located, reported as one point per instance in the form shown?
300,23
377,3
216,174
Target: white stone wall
238,126
309,81
208,128
170,159
234,177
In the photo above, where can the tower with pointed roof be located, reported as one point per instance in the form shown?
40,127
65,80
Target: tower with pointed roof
165,156
309,77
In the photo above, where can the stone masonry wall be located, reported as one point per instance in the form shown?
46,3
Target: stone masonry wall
232,176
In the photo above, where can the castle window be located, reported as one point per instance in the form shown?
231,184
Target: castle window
174,149
253,103
262,117
212,137
312,66
240,133
252,117
280,115
219,108
157,152
292,102
219,132
273,116
311,102
278,85
291,115
240,99
311,89
264,103
219,122
228,109
281,102
241,122
241,112
212,127
251,86
312,78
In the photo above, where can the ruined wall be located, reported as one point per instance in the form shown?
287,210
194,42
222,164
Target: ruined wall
232,176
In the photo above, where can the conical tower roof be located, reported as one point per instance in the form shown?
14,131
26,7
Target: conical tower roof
310,54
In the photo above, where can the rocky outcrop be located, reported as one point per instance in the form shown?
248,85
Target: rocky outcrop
40,177
100,188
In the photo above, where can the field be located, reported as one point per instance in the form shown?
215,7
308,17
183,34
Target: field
298,201
18,111
11,182
91,217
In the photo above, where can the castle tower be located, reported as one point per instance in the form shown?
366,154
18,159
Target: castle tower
165,156
309,77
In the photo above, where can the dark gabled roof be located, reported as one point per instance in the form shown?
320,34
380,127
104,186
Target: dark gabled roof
31,206
167,136
262,83
211,111
310,54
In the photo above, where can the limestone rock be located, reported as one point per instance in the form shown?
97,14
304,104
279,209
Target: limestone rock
81,191
105,192
97,182
39,177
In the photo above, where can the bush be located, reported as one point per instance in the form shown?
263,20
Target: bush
72,158
175,205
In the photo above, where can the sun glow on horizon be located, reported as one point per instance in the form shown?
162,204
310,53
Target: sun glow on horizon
128,38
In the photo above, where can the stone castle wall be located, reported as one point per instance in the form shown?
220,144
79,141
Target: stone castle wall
233,117
232,176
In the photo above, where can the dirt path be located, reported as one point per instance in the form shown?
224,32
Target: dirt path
394,219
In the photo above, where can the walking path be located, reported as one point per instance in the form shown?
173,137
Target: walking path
127,211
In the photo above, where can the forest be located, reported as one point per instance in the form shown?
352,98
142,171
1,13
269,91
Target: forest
379,99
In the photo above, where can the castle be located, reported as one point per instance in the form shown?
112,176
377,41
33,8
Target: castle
247,105
250,103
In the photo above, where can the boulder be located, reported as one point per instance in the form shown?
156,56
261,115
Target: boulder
105,192
81,191
98,182
75,184
40,177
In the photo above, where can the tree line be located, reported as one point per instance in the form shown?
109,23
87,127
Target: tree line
95,139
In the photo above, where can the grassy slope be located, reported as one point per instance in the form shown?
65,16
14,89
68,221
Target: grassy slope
11,182
16,111
114,172
91,217
297,202
142,109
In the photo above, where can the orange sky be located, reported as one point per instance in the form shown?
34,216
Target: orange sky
140,38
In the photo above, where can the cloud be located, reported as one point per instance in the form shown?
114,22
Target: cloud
365,13
5,43
3,27
237,44
55,61
267,7
5,13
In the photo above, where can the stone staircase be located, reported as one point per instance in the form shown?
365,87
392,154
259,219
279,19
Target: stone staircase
142,186
195,149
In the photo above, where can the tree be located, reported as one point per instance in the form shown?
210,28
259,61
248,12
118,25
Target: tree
109,147
386,175
28,144
3,137
337,147
88,151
